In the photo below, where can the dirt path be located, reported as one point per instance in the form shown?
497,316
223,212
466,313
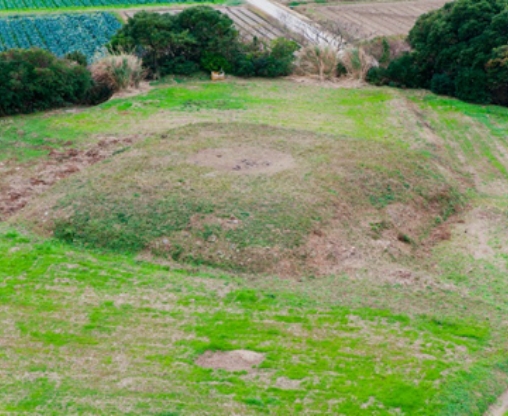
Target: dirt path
297,23
500,408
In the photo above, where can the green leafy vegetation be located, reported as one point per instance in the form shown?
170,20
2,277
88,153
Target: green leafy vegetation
32,80
201,38
458,50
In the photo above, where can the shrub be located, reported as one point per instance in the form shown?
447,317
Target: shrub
180,43
261,59
458,50
357,62
215,62
442,84
377,75
97,94
404,72
78,57
385,49
321,61
200,38
118,71
497,75
34,79
471,85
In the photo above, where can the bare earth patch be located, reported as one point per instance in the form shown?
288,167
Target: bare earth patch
236,360
20,184
243,160
500,407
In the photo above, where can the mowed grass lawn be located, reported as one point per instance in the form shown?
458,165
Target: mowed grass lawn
85,331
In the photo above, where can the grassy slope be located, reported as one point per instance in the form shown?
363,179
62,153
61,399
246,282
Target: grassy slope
120,337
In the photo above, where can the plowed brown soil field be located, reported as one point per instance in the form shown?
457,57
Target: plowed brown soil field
367,20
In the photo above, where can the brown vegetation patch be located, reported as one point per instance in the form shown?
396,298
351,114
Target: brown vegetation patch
237,360
19,184
243,160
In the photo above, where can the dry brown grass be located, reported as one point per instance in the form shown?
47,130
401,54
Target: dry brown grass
318,60
357,62
118,71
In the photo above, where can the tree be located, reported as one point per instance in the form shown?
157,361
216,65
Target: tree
457,45
176,43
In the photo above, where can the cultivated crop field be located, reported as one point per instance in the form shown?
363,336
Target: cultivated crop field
142,245
9,5
60,33
367,20
89,32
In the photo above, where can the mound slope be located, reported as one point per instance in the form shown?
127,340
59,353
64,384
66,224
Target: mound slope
332,204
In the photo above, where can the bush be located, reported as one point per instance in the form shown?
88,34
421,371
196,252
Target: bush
98,94
118,71
497,75
471,85
181,43
266,60
404,72
457,50
215,62
200,38
34,79
377,75
442,84
385,49
78,57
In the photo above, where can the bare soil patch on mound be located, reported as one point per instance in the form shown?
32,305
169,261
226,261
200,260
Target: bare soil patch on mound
243,160
20,184
236,360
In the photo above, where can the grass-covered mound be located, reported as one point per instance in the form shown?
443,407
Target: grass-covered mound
255,198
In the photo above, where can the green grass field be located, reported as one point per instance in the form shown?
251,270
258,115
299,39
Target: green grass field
98,319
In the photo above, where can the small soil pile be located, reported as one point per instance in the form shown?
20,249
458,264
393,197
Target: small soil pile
236,360
243,160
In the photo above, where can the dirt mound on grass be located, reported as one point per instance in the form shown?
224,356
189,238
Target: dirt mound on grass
243,160
316,204
236,360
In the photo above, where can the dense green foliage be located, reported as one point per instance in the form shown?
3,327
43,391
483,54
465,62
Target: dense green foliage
200,38
59,33
457,50
34,79
77,57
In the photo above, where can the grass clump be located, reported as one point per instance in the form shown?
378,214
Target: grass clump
118,71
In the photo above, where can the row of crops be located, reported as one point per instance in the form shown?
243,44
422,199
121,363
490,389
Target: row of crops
57,4
60,33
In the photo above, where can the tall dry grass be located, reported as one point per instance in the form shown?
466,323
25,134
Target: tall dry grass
357,62
118,71
318,60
